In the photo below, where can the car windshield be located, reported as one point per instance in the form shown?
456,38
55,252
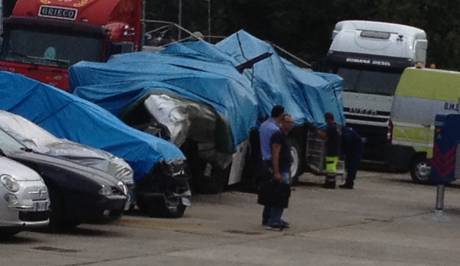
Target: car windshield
8,143
370,82
50,49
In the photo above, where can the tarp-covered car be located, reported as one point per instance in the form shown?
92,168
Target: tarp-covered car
78,194
41,141
159,167
24,198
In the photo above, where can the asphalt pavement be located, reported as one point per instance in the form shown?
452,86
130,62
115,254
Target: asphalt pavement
386,220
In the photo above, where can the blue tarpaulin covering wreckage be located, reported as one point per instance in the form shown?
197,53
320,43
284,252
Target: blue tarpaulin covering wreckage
307,95
197,71
73,118
206,73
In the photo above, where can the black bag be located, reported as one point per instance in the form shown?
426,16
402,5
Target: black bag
274,194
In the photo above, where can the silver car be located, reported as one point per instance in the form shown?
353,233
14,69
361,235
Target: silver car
41,141
24,199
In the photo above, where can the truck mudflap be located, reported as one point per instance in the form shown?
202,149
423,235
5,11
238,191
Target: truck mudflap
316,155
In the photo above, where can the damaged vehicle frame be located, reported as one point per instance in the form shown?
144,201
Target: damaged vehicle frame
78,194
201,133
165,191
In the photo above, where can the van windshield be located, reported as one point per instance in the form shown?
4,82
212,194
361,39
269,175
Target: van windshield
368,81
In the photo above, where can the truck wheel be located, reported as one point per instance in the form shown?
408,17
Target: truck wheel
421,170
7,233
216,183
296,166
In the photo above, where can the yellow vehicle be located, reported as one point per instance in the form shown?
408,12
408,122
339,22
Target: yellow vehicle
421,94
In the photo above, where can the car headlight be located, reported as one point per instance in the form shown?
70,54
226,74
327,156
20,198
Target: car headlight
11,199
105,190
10,183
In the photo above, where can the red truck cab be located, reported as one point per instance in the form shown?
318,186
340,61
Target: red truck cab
42,38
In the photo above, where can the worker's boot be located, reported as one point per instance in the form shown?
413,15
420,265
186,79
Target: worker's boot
330,182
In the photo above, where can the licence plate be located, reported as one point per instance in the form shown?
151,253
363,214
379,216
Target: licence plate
41,206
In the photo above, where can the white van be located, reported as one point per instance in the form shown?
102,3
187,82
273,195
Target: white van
421,94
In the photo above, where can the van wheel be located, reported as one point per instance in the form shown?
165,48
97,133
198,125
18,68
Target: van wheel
420,171
296,166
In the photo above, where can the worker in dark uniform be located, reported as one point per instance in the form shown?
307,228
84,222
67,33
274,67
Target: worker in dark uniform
332,136
352,147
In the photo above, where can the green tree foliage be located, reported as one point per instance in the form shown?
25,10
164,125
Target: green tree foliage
304,26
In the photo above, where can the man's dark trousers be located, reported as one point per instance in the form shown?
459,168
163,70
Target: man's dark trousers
351,165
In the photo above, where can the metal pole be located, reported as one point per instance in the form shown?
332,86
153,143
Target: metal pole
209,21
440,189
179,20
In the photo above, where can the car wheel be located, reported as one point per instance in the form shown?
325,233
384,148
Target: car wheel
58,220
166,208
173,207
296,166
7,233
421,171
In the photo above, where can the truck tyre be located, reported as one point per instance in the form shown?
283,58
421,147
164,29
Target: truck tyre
420,170
7,233
216,183
296,166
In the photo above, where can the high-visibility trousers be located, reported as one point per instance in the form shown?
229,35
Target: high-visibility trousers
331,164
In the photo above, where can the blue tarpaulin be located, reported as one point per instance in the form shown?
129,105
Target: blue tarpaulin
73,118
206,73
307,95
197,71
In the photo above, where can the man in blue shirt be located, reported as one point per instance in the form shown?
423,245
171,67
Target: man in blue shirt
281,161
266,131
268,128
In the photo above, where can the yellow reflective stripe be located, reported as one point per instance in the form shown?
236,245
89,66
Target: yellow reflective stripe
419,135
331,164
420,138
